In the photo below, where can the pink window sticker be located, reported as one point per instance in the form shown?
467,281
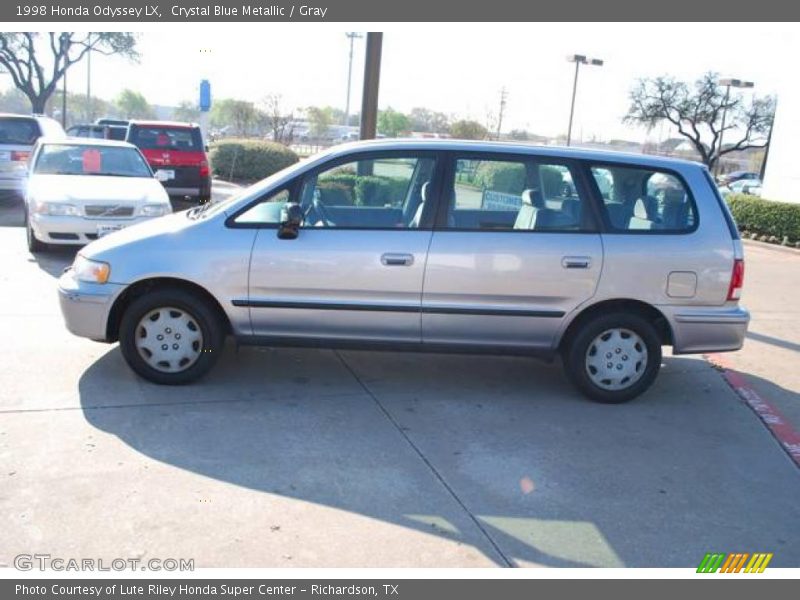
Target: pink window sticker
162,139
92,160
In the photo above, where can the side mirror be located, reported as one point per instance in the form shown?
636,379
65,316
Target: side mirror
291,220
206,148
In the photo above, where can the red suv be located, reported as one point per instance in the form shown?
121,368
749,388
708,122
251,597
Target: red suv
177,154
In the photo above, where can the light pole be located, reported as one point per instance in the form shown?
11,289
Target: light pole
89,114
728,83
352,36
578,59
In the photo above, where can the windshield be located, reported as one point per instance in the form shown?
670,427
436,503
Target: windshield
18,131
184,139
85,159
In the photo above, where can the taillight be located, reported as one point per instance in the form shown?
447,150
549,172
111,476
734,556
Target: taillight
737,280
20,155
204,169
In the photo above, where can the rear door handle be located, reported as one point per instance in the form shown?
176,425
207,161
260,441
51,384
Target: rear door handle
391,259
576,262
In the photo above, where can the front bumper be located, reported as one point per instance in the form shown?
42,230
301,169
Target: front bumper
75,230
86,306
707,329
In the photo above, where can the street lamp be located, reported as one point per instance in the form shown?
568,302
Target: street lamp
352,36
728,83
578,59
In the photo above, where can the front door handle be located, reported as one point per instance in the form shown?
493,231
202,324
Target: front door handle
391,259
576,262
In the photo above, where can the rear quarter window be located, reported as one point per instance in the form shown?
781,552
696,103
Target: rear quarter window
644,200
23,132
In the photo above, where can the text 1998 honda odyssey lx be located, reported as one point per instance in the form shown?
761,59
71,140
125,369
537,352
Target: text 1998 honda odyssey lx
602,258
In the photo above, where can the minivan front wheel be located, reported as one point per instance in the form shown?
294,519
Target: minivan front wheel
170,337
613,358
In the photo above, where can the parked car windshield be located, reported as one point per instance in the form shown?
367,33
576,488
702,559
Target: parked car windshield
85,159
167,138
18,131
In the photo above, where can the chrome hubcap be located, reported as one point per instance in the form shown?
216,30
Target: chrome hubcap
169,339
616,359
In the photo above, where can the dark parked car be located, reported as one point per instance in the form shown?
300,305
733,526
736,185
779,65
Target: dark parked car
177,154
729,178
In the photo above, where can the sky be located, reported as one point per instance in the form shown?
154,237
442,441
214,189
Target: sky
458,69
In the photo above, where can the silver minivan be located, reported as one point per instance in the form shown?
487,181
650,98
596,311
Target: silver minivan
599,258
18,135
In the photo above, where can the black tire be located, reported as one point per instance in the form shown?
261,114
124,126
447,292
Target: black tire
34,244
205,317
577,348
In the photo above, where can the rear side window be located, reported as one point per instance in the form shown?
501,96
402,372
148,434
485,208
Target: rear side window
644,200
522,194
19,131
167,138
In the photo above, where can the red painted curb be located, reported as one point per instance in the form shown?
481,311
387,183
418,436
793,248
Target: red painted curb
787,436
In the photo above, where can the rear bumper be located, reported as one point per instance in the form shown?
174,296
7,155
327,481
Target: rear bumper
13,184
707,329
86,306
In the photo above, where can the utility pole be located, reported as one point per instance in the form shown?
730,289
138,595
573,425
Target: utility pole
503,100
372,73
728,83
352,36
89,113
64,103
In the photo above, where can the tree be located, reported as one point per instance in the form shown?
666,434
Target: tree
133,105
320,120
423,119
239,115
466,129
696,111
277,119
186,111
391,122
20,55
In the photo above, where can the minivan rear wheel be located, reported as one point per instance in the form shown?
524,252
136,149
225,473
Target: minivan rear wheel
170,337
613,358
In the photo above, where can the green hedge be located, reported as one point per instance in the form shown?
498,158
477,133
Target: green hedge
344,188
249,160
510,178
766,217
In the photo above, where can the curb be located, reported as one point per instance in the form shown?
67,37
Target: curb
780,428
767,245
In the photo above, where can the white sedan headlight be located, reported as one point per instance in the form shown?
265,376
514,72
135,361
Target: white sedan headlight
56,209
90,271
155,210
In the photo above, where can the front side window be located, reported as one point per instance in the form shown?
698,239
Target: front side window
268,211
520,194
641,199
371,193
81,159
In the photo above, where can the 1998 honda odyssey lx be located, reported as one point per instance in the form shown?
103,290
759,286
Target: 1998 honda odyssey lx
436,245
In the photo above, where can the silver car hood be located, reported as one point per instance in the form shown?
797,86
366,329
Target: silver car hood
168,225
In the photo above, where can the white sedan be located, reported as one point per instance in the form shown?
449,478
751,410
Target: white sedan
82,189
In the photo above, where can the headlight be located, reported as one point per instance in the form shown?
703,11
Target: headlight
56,209
90,271
155,210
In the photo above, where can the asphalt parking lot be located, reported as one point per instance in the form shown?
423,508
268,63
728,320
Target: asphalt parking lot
287,457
